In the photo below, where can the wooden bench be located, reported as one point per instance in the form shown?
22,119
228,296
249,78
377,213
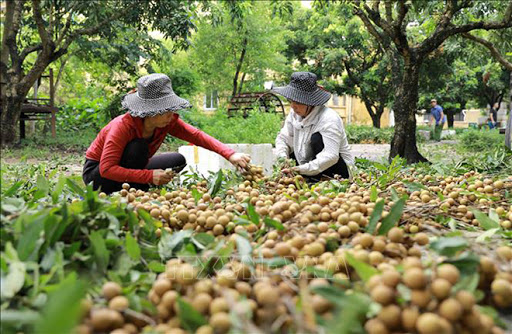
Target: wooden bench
36,108
263,101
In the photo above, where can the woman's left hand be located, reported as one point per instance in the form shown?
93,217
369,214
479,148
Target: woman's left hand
290,170
240,160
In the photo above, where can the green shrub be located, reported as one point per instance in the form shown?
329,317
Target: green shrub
364,134
79,114
480,140
257,128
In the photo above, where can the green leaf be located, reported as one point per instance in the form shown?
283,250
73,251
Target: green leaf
394,195
217,185
29,243
202,240
42,183
244,249
196,195
132,247
414,186
375,216
275,262
485,222
273,223
101,253
487,235
156,267
467,263
190,318
75,187
13,281
170,243
467,282
449,246
17,317
63,310
252,214
393,217
13,189
363,270
351,309
373,193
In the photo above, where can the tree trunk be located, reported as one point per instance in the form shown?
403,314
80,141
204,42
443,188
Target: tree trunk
403,143
510,91
11,110
239,66
376,120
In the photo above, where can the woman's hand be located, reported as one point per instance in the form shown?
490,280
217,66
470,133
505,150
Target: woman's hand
290,170
240,160
160,177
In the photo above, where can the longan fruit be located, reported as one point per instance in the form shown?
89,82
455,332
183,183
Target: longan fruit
365,240
420,298
429,323
320,304
382,294
409,318
161,286
375,326
219,304
169,298
396,235
104,318
450,309
414,278
220,322
504,252
449,272
315,249
282,249
267,295
421,239
119,303
390,316
110,290
391,278
205,329
502,288
441,288
201,302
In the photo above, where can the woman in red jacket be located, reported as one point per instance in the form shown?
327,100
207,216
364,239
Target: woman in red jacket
124,149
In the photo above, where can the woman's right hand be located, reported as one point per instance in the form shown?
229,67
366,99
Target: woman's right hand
160,177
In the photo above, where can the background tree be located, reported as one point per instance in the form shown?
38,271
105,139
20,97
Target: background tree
37,33
388,22
237,45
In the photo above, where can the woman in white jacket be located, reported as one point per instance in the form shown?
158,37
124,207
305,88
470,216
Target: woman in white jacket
313,135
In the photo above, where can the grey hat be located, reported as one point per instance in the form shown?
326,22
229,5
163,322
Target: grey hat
154,96
303,89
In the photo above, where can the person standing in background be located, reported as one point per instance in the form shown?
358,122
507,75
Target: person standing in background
437,116
493,115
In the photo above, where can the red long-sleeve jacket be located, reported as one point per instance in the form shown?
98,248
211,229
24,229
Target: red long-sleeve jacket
109,145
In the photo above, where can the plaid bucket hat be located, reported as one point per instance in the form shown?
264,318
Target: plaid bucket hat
154,96
303,89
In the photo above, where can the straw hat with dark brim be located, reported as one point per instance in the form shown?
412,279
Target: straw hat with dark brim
154,96
304,90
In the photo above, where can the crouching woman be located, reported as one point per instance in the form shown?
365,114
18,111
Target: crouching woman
124,150
313,135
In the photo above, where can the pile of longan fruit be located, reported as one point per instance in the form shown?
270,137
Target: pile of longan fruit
319,229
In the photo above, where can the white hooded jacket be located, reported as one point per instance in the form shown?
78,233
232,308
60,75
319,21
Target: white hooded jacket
295,137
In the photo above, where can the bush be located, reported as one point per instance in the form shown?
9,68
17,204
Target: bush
80,114
480,140
257,128
363,134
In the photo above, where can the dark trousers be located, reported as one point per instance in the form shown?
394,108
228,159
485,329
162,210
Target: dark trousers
135,156
317,146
